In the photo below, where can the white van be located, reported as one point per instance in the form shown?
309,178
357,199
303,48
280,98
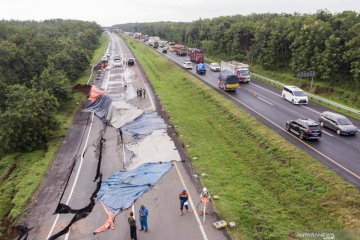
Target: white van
294,95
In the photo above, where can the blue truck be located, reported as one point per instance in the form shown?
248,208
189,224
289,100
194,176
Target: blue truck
200,68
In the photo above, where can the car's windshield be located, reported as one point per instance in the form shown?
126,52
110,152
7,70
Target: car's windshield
299,93
244,72
344,121
215,65
314,128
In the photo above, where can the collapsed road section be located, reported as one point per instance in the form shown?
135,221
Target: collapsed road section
128,150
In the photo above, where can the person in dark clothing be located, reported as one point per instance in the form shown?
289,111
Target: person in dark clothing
132,225
143,92
125,86
184,197
140,93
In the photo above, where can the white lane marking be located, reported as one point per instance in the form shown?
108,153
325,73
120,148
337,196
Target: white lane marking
76,177
310,109
191,204
327,133
298,139
265,89
265,101
82,158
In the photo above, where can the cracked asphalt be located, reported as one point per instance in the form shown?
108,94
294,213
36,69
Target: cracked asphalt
92,152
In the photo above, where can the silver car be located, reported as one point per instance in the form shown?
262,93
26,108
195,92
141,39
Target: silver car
337,122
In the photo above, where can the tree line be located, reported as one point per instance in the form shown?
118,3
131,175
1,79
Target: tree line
326,43
39,61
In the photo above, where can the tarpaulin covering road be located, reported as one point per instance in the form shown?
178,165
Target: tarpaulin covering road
95,93
121,190
145,125
100,107
121,113
157,147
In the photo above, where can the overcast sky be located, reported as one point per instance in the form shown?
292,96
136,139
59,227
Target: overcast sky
110,12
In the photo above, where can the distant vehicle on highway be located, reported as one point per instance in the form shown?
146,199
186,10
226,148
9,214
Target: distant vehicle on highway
187,65
294,95
200,68
196,55
117,57
304,128
118,63
241,70
164,50
131,61
228,81
215,67
180,49
337,122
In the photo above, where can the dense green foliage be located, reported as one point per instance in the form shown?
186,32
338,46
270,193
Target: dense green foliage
326,43
38,63
266,185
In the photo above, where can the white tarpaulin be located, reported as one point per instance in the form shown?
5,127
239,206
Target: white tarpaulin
121,113
157,147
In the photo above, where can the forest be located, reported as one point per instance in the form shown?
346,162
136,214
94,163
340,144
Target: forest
39,62
324,42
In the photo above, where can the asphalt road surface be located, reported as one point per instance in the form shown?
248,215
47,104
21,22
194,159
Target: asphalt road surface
339,153
93,151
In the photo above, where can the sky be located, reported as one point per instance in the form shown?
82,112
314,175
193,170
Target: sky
111,12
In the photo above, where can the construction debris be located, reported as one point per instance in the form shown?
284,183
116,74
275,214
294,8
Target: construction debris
220,224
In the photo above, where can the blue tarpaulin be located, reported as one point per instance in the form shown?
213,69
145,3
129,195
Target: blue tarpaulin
145,124
122,189
100,106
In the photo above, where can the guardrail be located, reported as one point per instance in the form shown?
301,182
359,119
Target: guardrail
311,95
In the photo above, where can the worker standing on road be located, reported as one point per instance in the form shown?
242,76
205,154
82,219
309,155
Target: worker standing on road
132,225
125,86
143,92
204,198
184,197
143,214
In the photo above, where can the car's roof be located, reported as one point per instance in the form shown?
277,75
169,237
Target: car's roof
187,62
308,122
336,115
293,88
214,64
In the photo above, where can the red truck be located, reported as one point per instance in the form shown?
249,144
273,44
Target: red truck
180,49
196,55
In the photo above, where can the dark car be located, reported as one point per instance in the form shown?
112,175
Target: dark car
130,61
164,50
304,128
337,122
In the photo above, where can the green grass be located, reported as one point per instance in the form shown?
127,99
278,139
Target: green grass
22,173
266,185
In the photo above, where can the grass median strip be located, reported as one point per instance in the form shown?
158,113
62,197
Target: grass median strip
266,185
22,173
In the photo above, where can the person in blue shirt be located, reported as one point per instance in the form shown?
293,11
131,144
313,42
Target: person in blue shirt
184,197
143,214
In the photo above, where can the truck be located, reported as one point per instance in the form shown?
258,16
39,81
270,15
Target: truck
137,35
171,46
155,44
241,70
200,68
152,41
196,55
228,81
180,49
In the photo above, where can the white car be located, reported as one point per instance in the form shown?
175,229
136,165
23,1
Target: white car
187,65
118,63
215,67
294,95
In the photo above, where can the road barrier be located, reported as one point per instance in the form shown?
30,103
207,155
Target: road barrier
320,99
